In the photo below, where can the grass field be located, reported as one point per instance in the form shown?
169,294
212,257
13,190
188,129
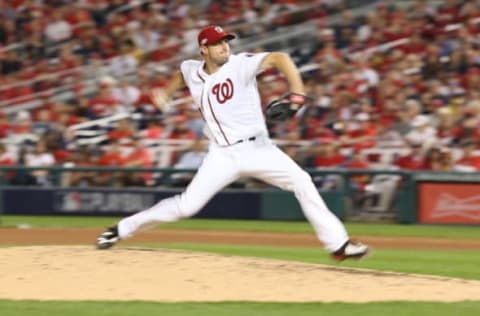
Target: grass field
372,229
461,263
9,308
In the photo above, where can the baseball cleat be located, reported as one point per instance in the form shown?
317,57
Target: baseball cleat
108,238
350,250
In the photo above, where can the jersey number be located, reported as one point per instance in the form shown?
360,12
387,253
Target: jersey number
223,91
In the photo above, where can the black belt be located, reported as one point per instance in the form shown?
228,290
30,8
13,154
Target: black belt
251,139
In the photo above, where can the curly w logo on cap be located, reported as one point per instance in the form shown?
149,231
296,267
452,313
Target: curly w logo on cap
212,34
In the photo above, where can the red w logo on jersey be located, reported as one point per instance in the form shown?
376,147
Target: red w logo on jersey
223,91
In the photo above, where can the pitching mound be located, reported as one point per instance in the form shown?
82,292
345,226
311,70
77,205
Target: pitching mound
83,273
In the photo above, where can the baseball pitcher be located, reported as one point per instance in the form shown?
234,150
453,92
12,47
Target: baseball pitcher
224,88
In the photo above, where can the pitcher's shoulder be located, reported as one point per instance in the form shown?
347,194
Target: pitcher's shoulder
190,63
189,67
238,58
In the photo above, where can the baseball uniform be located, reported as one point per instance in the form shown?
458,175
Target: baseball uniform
239,147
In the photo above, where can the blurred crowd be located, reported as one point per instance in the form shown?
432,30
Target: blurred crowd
397,86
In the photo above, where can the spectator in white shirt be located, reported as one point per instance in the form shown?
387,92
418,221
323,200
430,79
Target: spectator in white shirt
191,159
422,131
126,93
146,38
40,157
58,30
125,63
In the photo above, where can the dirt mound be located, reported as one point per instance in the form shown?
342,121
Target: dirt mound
83,273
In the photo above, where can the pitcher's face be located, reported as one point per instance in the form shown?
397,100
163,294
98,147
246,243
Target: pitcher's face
217,53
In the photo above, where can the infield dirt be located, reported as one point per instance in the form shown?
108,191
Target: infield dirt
62,264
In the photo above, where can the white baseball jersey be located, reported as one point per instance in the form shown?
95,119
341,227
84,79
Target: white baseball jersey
228,98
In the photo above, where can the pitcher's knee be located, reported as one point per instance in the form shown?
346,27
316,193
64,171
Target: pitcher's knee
303,183
187,212
302,178
187,208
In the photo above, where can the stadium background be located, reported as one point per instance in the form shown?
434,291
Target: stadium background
392,134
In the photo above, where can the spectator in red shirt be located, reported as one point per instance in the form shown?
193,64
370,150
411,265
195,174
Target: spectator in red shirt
153,130
180,129
144,103
363,135
104,104
357,161
111,157
358,182
467,126
415,160
140,156
469,160
78,18
4,125
122,132
7,159
448,13
328,155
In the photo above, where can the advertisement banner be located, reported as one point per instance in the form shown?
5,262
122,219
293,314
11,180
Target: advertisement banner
120,202
449,203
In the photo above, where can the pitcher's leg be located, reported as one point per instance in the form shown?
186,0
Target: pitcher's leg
216,172
328,227
275,167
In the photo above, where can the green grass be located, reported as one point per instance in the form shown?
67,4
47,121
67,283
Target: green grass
26,308
457,264
436,231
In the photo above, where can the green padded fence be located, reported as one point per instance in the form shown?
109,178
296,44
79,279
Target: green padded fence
274,204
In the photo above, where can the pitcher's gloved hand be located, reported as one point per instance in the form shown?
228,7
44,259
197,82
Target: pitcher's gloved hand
285,107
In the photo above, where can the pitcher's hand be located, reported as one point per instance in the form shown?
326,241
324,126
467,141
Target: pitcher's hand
160,99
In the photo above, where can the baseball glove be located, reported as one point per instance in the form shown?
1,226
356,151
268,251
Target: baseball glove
285,107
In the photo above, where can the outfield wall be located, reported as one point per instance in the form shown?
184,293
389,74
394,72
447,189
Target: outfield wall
426,197
229,204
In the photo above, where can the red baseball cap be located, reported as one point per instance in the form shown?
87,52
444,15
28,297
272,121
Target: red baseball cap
212,34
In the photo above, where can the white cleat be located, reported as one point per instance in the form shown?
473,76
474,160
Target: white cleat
350,250
108,238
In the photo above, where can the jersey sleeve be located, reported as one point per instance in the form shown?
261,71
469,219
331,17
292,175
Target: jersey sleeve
185,70
251,64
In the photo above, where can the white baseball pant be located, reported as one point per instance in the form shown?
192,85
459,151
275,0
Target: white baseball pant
223,165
